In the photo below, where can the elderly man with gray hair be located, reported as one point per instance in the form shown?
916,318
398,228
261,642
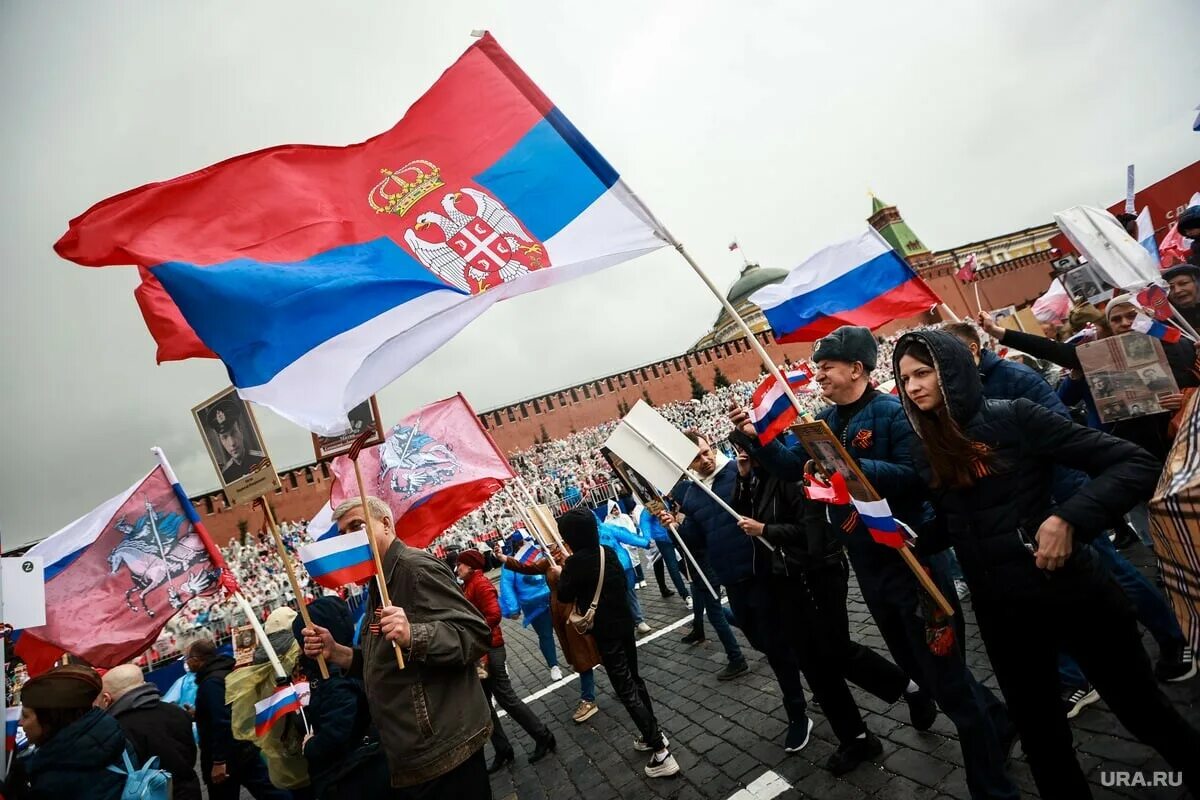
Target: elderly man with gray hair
432,716
155,728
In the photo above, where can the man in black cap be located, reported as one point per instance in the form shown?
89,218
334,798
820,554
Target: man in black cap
1183,291
228,420
875,432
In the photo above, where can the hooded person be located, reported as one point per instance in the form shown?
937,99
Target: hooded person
529,596
623,540
75,742
344,758
594,571
1036,583
615,516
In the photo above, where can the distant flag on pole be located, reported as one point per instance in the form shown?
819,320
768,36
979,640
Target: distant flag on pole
772,410
877,516
267,712
861,281
1145,234
338,560
12,719
341,268
733,245
966,273
1152,327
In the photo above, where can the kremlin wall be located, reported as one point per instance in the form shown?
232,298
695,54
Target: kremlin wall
1012,269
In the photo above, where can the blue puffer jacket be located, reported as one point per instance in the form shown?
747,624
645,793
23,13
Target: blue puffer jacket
74,763
610,535
528,594
1007,380
710,530
880,439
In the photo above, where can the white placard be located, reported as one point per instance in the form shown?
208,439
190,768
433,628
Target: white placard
24,591
641,431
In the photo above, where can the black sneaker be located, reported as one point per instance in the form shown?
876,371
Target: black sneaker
1176,664
847,758
731,671
668,593
1075,700
797,735
922,711
693,637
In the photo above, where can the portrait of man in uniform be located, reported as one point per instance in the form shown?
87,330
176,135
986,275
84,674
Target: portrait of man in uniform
232,437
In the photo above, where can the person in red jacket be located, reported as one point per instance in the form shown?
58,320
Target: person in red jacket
482,594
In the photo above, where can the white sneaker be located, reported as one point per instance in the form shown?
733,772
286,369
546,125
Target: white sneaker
642,627
688,600
642,585
662,768
555,673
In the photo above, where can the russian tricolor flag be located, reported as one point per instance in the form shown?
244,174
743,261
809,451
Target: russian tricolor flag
857,282
12,717
338,560
772,410
267,712
1145,234
1152,327
877,516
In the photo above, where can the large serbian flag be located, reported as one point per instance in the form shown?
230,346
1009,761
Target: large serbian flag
116,575
434,467
857,282
320,274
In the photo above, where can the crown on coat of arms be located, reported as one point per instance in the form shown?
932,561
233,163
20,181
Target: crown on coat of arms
401,189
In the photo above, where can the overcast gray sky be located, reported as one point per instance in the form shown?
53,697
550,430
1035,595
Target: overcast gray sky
764,120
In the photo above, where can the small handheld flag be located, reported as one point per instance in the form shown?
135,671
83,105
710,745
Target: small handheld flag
773,412
966,273
1153,327
884,528
269,711
12,717
336,561
1153,298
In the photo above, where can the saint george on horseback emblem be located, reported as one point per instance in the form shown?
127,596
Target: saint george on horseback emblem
158,549
474,245
411,462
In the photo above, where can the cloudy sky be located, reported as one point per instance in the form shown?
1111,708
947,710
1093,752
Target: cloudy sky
768,121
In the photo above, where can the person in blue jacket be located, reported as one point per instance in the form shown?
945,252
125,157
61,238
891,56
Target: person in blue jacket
614,536
876,433
529,595
650,526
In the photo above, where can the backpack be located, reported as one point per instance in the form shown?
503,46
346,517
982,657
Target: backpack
147,783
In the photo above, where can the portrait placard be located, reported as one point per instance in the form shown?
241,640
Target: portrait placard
244,642
1128,375
362,416
235,446
830,457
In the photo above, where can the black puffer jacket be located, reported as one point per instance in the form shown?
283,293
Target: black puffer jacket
990,523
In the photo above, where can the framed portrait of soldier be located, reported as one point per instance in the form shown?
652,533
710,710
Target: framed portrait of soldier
829,456
244,643
235,446
362,416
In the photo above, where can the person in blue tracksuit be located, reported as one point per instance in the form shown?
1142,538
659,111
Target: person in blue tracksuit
529,595
875,432
614,536
650,526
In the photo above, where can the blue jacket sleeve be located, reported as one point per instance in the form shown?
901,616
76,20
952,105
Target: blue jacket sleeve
782,462
894,476
1034,387
626,536
509,604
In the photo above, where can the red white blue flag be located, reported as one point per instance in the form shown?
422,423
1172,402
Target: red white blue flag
267,712
434,467
770,406
337,269
336,561
883,527
1152,327
861,281
116,575
12,720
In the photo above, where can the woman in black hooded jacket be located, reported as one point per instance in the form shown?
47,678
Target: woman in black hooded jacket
1036,583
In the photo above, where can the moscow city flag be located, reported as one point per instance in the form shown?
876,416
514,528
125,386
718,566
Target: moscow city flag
319,275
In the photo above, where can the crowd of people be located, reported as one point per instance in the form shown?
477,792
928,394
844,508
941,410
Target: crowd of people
988,477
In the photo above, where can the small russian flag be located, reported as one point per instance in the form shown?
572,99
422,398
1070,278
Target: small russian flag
877,516
772,410
274,708
12,717
1152,327
338,560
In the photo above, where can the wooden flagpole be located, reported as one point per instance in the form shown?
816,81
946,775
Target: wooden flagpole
380,582
291,573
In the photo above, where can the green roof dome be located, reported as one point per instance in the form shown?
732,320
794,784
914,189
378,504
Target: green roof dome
752,279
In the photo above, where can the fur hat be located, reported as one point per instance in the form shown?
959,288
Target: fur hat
848,343
472,558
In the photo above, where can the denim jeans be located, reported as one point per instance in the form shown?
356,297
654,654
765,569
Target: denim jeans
631,594
720,617
587,685
544,627
671,561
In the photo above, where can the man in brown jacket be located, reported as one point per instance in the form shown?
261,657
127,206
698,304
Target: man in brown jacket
432,716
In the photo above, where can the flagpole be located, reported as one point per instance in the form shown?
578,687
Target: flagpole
537,510
219,560
384,597
291,573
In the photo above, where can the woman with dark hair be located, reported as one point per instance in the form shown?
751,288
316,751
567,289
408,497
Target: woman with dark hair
75,743
1037,584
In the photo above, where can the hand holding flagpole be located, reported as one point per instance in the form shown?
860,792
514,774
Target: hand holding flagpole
291,573
380,580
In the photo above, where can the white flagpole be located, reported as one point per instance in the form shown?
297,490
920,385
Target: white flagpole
238,597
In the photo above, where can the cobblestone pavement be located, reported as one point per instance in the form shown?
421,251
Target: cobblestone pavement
727,736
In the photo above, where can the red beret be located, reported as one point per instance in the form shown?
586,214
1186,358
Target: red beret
472,558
